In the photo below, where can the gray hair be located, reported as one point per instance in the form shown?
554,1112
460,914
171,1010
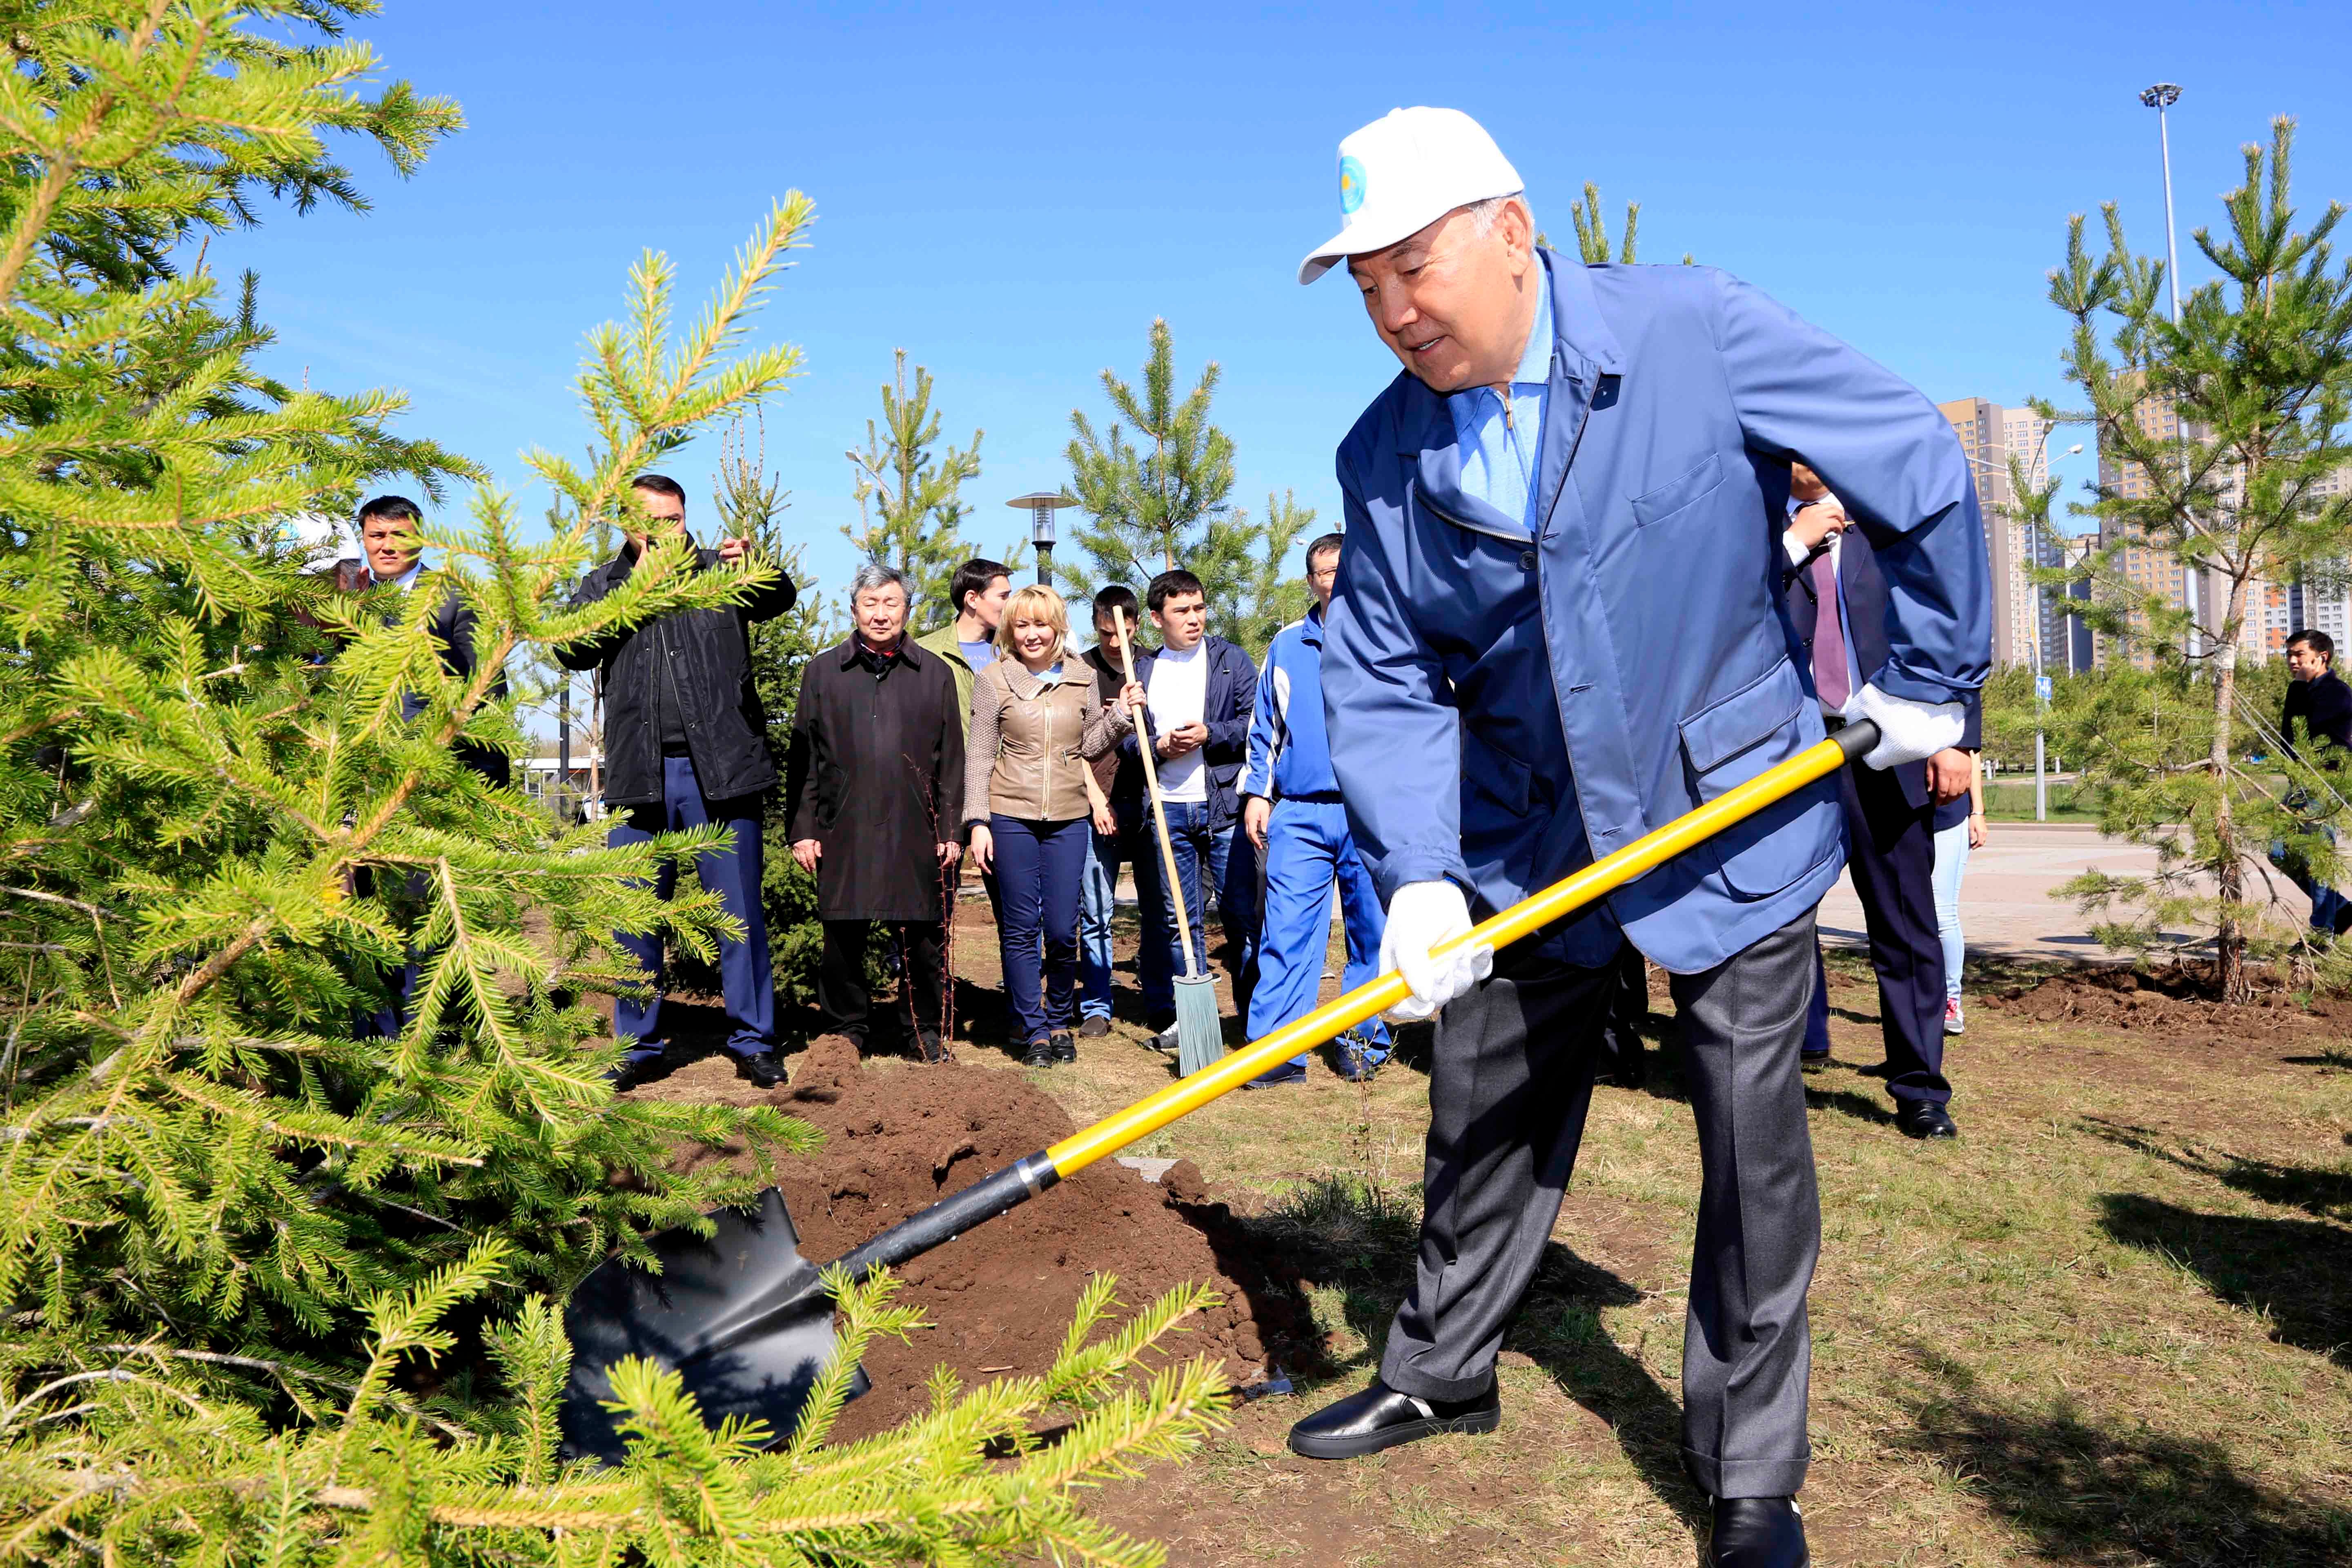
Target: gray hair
1483,214
875,574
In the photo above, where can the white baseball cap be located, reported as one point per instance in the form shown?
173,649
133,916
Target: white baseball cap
1402,173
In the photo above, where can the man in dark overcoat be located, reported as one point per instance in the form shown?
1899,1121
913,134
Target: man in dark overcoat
874,792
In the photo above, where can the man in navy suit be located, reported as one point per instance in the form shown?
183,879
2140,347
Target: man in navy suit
1837,598
1558,627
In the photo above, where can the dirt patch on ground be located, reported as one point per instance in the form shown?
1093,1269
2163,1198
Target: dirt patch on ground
2170,1000
901,1137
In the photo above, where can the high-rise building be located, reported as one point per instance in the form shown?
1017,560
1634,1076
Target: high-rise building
1991,435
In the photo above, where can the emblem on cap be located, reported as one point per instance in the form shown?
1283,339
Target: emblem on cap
1351,185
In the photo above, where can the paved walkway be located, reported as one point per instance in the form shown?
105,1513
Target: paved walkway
2005,903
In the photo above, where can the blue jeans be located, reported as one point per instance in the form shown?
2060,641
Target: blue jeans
1039,866
2329,908
1952,864
1203,858
1098,901
733,874
1306,850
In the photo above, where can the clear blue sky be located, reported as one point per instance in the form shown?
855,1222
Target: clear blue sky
1012,193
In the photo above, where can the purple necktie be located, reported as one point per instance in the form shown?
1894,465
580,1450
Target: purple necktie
1829,633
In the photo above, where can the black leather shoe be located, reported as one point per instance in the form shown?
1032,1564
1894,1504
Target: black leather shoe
1066,1049
1924,1119
635,1070
1040,1054
1380,1417
1812,1061
1756,1532
764,1068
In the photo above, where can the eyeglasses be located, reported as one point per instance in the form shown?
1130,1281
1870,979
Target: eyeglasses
1323,574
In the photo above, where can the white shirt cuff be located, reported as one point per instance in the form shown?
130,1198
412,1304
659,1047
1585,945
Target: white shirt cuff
1794,546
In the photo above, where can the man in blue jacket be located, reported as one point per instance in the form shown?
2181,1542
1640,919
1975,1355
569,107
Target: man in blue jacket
1558,627
1197,724
1291,810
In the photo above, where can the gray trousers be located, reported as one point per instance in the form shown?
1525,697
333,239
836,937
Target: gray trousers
1508,1090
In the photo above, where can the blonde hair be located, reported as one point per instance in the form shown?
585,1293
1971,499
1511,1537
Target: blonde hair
1034,603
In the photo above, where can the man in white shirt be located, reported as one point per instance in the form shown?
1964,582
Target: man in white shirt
1199,690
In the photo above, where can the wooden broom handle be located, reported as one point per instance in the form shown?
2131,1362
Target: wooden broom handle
1159,811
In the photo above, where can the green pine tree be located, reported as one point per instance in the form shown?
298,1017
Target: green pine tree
909,511
1254,590
2259,372
1149,500
233,1237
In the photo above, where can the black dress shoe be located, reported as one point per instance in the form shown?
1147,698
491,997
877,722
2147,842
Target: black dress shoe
1066,1049
635,1070
1380,1417
764,1068
1812,1061
1756,1532
1039,1055
1924,1119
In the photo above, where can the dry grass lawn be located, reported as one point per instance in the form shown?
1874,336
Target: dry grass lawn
2107,1326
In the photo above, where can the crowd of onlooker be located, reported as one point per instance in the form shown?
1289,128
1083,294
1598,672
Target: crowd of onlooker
996,742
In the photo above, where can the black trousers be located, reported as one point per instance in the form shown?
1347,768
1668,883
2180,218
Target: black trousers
1891,856
841,994
1508,1090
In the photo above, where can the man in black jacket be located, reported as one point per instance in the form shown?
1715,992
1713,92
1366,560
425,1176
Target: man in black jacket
686,742
1836,596
393,556
2318,704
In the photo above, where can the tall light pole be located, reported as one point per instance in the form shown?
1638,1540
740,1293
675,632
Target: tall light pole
2161,96
1040,506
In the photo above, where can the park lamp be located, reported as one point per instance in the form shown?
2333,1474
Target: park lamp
1040,506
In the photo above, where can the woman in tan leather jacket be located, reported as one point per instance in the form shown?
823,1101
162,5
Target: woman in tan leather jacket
1036,718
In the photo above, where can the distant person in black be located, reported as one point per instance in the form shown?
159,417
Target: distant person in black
2320,704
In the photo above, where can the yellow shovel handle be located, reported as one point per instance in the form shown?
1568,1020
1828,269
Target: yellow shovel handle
1570,893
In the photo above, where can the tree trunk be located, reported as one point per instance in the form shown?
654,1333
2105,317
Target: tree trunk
2229,927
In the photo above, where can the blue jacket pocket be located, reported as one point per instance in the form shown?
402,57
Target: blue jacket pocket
1686,488
1732,740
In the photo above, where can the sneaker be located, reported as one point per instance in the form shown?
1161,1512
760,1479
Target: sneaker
1040,1053
929,1046
1358,1062
1954,1021
1274,1078
1093,1026
765,1070
1164,1042
1066,1049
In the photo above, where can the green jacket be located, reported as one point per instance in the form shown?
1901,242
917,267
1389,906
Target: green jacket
944,643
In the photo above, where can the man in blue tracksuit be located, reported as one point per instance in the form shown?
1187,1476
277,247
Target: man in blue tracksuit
1558,627
1292,811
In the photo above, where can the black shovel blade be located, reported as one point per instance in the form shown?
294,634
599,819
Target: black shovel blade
740,1315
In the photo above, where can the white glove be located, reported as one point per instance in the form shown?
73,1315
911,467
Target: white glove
1421,916
1908,731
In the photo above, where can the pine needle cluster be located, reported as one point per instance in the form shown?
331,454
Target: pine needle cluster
272,1293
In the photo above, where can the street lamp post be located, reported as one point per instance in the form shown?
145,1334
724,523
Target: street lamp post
1040,506
2041,703
2161,96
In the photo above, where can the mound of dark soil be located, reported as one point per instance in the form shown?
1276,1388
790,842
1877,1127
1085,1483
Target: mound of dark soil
2171,998
901,1137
